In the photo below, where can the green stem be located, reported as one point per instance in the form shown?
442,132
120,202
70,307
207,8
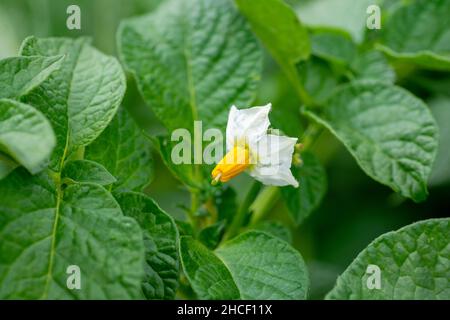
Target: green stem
294,78
311,133
239,218
264,203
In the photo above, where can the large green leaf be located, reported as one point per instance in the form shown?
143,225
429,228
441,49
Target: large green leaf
87,171
192,59
160,241
413,263
125,152
79,99
254,265
25,135
265,267
19,75
279,29
391,133
419,33
306,198
45,229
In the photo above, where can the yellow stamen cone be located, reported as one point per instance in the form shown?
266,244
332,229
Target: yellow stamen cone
234,163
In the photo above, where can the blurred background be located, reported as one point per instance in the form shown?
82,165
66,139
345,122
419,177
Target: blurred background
355,210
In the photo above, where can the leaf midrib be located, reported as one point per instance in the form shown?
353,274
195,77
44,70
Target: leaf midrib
59,192
27,87
191,87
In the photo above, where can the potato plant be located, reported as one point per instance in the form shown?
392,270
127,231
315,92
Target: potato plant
77,169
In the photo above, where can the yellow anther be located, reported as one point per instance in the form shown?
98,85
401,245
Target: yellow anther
234,163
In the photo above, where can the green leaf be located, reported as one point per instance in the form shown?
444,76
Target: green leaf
440,175
79,99
419,33
87,171
19,75
208,276
276,229
125,152
184,228
265,267
425,59
211,235
413,263
333,45
318,78
307,197
372,65
279,29
226,203
192,59
254,265
391,134
44,230
160,241
25,135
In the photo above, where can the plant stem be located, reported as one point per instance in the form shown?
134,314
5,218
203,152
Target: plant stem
264,203
292,75
311,133
239,218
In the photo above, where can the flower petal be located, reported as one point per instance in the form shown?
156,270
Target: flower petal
247,125
274,161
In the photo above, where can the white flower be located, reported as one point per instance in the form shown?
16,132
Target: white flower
266,157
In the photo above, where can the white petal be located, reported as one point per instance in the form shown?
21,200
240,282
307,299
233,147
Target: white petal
274,161
247,124
283,178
